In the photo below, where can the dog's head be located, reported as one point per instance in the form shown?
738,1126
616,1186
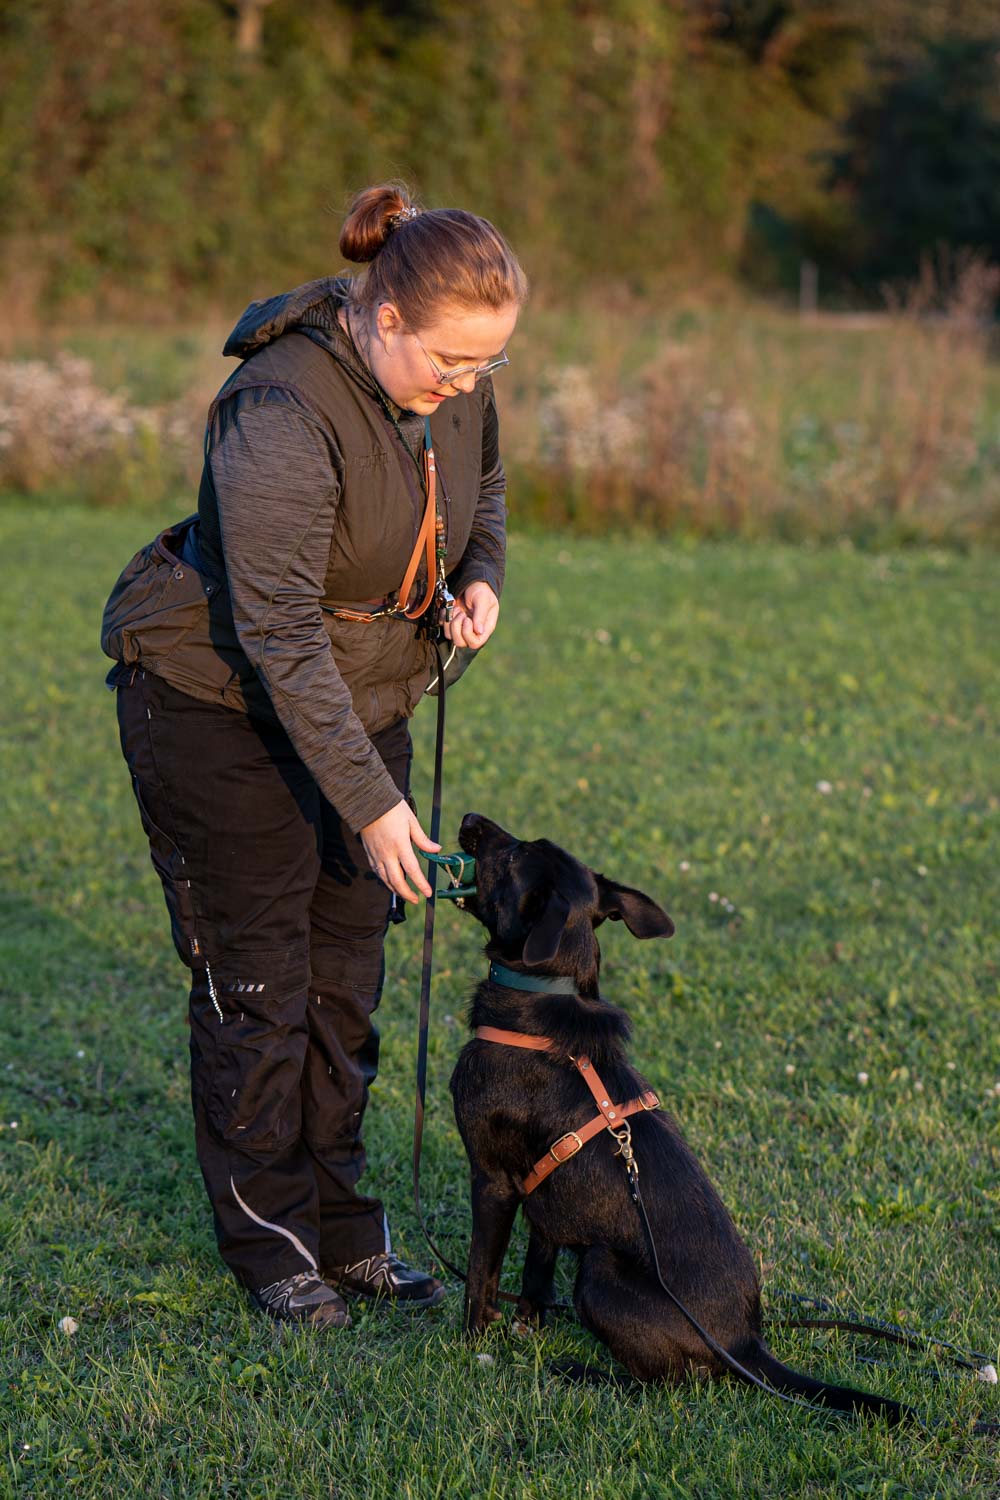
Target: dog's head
541,906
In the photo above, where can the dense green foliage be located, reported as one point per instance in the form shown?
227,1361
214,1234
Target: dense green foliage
150,153
808,736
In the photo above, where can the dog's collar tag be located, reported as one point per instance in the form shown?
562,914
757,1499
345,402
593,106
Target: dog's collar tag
561,985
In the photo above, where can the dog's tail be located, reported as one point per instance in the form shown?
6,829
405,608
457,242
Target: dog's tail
756,1357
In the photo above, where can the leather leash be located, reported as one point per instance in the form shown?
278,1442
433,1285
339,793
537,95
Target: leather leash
424,1016
430,542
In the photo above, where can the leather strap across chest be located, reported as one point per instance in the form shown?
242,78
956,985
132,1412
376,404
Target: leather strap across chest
427,538
609,1116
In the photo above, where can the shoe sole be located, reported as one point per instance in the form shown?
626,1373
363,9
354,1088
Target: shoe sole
409,1304
321,1324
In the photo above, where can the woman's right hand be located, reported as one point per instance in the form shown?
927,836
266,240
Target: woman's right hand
388,843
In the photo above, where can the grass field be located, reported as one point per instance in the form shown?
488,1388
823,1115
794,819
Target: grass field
807,737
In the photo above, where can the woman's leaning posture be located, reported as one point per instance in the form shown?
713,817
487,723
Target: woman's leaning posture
266,668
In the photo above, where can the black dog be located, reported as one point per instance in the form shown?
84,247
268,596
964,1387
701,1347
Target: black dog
540,907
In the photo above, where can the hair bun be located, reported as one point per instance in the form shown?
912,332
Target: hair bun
373,215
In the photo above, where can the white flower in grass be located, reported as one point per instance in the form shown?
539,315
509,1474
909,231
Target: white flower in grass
789,1068
13,1124
918,1087
80,1052
603,637
921,870
951,1066
826,787
68,1325
713,896
863,1079
684,866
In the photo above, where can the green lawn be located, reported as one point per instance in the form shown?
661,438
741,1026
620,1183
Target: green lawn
805,735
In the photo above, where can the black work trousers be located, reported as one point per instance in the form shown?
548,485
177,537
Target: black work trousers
275,910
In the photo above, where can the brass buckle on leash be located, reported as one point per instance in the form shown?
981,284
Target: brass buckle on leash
624,1139
578,1147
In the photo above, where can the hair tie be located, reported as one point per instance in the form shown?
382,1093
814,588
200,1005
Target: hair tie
400,217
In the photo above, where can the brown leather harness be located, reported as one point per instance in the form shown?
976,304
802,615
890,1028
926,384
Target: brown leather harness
610,1116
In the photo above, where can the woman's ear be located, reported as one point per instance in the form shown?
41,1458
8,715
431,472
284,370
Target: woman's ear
388,320
641,915
542,942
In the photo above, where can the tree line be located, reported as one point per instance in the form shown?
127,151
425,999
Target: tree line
154,155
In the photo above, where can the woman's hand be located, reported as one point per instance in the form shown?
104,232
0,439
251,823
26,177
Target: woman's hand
473,616
388,843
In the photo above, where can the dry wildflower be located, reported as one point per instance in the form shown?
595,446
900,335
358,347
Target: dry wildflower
68,1325
789,1069
684,866
56,423
826,787
863,1079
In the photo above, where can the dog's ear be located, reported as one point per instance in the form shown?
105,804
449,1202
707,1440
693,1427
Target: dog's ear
542,942
641,915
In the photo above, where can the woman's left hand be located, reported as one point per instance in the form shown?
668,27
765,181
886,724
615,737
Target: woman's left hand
474,616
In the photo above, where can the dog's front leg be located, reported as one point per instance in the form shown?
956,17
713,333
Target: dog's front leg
494,1205
536,1282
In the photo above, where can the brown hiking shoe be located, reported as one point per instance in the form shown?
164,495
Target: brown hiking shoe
303,1298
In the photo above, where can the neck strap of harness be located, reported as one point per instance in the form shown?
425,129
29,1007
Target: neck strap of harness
610,1116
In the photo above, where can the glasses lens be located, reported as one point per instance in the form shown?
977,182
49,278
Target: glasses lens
461,372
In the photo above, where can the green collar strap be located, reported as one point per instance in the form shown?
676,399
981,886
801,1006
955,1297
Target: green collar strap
499,974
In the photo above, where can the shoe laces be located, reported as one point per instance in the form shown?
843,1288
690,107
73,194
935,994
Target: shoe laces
289,1285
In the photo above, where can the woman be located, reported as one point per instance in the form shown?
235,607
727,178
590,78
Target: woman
270,651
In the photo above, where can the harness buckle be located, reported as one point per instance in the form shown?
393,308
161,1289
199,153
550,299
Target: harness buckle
570,1135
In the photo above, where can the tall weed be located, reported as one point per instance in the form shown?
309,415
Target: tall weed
61,432
712,416
770,426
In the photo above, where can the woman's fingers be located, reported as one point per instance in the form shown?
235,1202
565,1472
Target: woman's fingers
388,843
474,616
454,628
420,838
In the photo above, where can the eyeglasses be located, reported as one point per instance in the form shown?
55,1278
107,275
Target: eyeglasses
448,377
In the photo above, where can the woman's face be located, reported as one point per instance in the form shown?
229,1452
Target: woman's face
399,359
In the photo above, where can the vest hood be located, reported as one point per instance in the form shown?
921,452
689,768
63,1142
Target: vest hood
311,309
